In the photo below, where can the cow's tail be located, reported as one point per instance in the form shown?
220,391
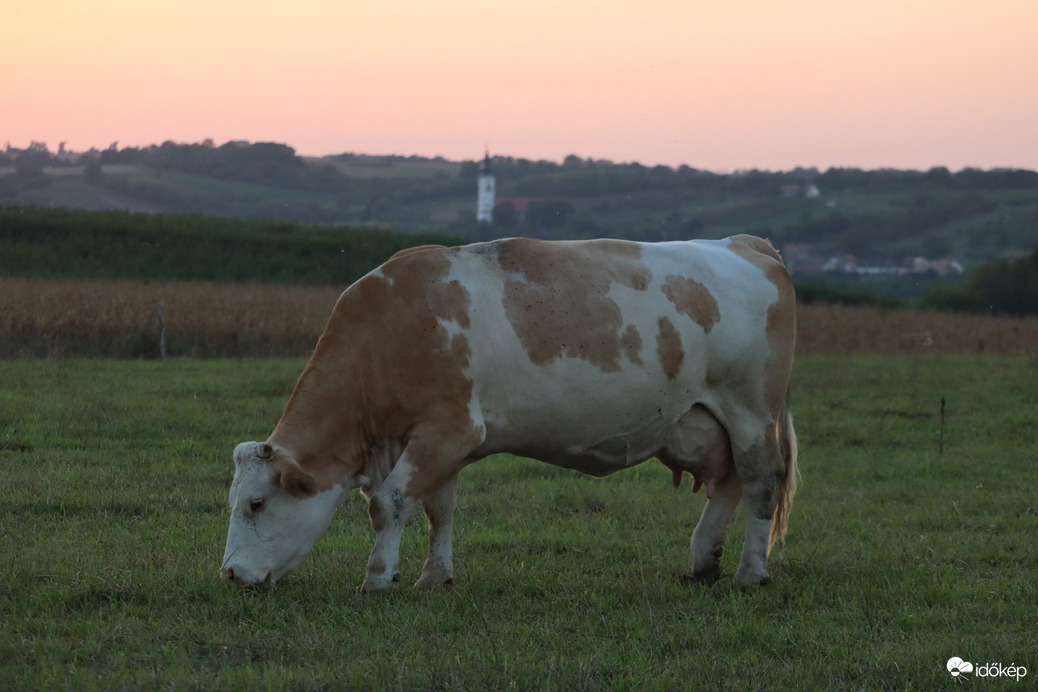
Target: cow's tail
787,440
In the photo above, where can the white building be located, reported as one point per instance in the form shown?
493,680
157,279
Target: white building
485,200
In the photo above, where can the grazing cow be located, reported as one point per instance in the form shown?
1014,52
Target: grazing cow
592,355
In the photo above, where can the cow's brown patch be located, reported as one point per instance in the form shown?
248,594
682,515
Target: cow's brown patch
693,299
385,368
631,341
669,349
417,248
557,301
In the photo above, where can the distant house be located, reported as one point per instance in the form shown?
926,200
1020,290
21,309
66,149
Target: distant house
941,267
808,190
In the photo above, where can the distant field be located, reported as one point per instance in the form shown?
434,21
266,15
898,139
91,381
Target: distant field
911,541
119,319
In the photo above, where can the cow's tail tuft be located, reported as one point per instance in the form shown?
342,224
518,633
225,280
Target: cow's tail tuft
787,439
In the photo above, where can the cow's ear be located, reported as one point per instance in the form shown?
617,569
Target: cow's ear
298,482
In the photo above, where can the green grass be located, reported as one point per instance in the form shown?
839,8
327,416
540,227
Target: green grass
910,543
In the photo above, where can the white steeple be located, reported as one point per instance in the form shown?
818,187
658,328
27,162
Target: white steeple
485,200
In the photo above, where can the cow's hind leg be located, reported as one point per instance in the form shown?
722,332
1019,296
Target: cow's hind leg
439,564
708,538
758,462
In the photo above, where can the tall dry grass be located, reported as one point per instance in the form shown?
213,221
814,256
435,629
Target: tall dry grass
837,329
119,319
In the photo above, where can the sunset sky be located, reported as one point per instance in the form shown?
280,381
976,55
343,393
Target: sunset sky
715,84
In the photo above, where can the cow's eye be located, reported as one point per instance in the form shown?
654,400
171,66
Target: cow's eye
257,504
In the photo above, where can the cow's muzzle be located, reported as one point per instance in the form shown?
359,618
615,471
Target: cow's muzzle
231,577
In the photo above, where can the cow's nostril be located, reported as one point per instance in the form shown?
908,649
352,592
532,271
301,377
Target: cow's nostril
228,575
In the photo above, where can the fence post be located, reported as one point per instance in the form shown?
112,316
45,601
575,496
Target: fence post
162,333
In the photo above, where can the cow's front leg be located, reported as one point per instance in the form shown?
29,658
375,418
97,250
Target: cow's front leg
708,538
439,564
389,508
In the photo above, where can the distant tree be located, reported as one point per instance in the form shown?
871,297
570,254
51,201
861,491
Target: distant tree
841,178
939,175
1002,286
1008,286
31,162
28,169
92,172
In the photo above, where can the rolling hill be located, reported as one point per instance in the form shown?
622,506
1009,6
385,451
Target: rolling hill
891,231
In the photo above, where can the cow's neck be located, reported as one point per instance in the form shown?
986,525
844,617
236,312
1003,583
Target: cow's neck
323,423
330,422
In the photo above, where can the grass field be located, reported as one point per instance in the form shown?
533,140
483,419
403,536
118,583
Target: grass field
912,540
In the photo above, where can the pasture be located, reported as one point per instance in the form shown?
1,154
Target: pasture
912,540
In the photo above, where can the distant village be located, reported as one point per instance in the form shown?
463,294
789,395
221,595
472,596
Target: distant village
803,258
800,258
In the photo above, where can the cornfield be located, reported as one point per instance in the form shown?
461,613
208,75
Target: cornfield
121,319
839,329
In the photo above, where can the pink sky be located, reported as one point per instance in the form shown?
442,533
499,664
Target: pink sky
719,85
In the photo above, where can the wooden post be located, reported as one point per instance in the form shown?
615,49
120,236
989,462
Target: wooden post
940,438
162,333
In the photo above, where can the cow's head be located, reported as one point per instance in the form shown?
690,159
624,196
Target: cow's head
278,511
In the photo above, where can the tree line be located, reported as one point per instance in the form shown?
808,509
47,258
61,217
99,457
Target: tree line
1006,286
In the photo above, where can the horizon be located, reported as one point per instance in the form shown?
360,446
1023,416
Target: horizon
718,86
78,153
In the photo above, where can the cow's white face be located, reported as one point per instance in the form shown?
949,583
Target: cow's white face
277,515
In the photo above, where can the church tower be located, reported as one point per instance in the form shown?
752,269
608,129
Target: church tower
485,200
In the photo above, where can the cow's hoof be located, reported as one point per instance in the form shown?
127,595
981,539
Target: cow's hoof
747,581
434,582
377,584
707,575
